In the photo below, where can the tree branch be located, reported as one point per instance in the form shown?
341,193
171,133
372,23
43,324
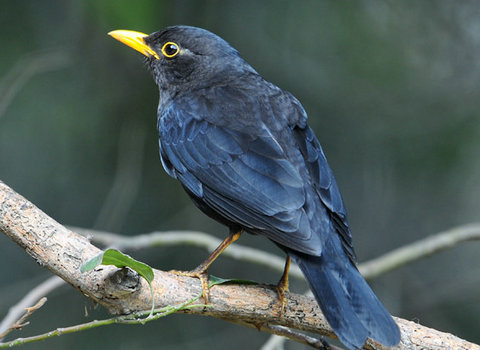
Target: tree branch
21,322
420,249
192,238
27,301
123,292
136,318
369,269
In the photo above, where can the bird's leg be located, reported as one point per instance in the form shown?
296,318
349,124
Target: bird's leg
282,286
200,271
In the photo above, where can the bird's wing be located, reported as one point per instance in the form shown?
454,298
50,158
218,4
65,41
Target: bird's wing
257,174
325,185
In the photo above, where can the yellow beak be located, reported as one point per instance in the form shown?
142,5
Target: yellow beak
135,41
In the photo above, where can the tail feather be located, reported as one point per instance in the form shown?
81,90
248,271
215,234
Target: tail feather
349,305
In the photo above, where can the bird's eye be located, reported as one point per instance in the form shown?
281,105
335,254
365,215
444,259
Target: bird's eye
170,49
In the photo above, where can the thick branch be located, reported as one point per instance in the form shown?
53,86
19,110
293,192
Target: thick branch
122,292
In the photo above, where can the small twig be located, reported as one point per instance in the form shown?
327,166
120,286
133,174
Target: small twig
32,297
299,337
136,318
22,321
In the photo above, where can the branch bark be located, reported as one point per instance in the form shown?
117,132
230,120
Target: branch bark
122,291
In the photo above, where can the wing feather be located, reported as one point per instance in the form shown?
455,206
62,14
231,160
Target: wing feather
261,171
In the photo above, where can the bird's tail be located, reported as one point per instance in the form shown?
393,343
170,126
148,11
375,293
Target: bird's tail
349,305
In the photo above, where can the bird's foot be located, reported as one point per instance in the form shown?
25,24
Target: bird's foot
202,275
282,287
281,290
200,271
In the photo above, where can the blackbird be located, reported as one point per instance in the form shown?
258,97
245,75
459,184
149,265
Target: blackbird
241,148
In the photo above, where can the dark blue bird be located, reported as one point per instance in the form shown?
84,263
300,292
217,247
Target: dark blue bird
242,150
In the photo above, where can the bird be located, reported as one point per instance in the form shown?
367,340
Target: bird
242,150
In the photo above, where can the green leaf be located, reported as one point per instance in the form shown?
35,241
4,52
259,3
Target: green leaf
218,280
118,259
92,263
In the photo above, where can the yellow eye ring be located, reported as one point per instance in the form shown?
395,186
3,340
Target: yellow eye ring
170,49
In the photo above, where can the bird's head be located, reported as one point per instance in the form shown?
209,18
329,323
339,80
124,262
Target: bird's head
183,57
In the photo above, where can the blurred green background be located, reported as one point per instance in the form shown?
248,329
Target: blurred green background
392,89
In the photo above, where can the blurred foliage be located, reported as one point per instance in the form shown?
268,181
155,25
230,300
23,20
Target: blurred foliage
392,90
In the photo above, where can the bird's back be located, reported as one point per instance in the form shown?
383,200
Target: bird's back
247,146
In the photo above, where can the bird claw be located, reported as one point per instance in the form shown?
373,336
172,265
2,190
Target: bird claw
282,289
282,286
202,276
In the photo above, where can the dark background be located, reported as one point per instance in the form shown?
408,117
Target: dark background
392,91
